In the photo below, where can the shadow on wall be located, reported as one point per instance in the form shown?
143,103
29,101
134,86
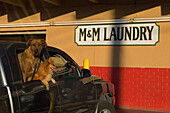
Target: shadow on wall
83,9
115,73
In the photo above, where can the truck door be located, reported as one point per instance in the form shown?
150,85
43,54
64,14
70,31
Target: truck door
75,96
32,96
35,98
69,84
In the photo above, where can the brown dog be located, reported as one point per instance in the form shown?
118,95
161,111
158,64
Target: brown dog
45,72
30,57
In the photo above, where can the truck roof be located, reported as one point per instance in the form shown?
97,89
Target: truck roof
9,42
12,43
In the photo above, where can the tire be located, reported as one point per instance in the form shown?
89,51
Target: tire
105,107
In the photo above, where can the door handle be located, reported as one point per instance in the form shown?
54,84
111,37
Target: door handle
28,98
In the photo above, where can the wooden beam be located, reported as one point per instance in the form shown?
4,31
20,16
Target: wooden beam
54,2
14,2
94,1
31,2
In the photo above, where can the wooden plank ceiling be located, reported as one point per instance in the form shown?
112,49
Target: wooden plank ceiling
20,3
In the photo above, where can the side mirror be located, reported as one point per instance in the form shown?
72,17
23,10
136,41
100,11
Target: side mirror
85,73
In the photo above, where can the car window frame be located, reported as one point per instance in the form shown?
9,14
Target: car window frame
46,55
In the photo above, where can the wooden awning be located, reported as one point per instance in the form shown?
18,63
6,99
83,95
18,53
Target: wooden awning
17,9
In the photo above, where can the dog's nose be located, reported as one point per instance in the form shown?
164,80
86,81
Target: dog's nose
36,50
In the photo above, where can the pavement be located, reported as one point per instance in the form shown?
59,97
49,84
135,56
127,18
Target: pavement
118,110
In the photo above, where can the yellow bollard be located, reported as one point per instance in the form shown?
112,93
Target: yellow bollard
86,63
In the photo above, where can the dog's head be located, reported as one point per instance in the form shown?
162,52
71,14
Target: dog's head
51,64
36,46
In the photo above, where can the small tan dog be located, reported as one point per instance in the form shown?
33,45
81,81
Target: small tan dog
45,72
30,57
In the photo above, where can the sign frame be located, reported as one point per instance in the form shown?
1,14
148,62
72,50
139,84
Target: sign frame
120,25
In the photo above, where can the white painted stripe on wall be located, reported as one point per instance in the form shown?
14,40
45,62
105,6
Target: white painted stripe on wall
69,23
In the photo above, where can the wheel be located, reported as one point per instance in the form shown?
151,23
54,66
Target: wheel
105,107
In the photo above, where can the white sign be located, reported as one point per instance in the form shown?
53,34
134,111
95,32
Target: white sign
118,34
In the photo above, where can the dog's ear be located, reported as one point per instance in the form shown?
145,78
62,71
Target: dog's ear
44,43
50,60
29,42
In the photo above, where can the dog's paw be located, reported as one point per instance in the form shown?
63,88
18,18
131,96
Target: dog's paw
47,88
46,84
53,81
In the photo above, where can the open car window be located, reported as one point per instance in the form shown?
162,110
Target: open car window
65,69
20,50
59,60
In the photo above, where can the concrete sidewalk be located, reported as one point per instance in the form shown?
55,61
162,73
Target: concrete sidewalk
118,110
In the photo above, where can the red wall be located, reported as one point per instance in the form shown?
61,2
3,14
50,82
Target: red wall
139,88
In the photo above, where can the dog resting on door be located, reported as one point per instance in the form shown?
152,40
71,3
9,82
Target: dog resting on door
45,72
30,57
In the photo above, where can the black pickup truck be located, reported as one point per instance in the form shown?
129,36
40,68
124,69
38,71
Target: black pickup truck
75,91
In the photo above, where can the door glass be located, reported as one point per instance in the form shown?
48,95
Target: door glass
65,69
59,60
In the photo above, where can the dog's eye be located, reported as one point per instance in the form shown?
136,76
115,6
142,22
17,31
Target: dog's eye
33,44
39,44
